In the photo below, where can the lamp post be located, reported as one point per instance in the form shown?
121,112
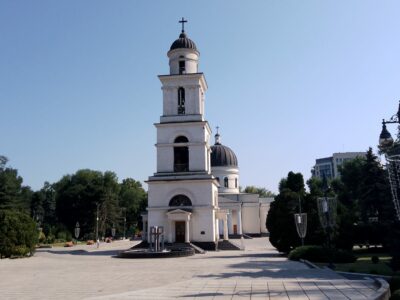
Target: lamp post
77,231
124,223
300,220
97,226
113,231
327,216
391,149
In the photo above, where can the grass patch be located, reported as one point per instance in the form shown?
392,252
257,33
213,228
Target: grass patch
363,264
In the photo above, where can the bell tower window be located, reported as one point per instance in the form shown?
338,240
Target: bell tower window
182,69
226,182
181,155
181,101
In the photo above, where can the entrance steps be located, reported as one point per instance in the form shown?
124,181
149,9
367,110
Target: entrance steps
227,245
196,249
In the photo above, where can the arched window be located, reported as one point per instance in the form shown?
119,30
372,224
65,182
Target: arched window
181,101
235,182
182,68
181,139
180,200
217,179
226,182
181,155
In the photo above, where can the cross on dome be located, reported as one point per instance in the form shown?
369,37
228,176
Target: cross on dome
183,21
217,137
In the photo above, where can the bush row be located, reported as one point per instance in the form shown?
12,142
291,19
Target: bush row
321,254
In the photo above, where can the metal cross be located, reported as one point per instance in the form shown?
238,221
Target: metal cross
183,21
217,129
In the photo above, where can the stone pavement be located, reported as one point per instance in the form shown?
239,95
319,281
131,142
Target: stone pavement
84,272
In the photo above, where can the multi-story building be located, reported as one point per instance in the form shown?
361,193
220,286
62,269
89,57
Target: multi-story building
329,166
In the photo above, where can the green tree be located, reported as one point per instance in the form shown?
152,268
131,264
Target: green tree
280,220
262,192
133,201
18,234
13,195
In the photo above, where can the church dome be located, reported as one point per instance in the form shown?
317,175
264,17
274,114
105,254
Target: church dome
183,42
222,156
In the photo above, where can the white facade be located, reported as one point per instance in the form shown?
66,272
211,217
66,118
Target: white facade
192,200
183,194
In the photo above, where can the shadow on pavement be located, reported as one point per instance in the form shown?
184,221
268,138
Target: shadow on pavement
84,252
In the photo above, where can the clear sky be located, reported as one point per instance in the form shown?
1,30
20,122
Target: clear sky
289,81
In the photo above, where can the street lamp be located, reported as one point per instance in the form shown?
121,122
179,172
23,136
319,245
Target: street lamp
327,215
77,231
391,149
300,220
113,231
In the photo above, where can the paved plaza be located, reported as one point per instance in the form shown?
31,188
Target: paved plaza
259,272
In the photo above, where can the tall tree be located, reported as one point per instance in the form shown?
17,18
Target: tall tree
280,220
262,192
13,194
133,201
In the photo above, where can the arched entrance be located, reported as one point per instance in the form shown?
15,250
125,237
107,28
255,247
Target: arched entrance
179,219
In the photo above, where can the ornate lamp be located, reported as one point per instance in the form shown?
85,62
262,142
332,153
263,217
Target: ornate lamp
77,231
391,149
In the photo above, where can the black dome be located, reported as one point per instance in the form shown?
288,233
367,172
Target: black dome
183,42
222,156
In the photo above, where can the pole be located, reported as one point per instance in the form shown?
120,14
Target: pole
302,239
97,226
125,222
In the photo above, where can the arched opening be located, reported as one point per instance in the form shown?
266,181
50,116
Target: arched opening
226,182
180,200
181,155
181,139
181,101
236,183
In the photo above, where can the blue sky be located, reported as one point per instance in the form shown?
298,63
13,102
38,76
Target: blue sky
289,81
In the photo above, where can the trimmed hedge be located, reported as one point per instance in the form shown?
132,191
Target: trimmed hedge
18,234
321,254
395,295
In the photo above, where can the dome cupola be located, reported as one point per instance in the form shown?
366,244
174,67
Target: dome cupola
183,54
222,156
183,42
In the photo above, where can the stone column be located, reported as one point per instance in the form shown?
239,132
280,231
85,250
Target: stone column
144,233
187,239
239,218
230,225
169,231
216,232
226,228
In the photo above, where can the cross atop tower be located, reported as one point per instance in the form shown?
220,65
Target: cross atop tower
183,21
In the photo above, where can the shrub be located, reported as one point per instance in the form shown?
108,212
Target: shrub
395,295
18,234
375,259
42,237
394,283
321,254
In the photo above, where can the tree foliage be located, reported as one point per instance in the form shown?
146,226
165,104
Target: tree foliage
13,195
18,234
262,192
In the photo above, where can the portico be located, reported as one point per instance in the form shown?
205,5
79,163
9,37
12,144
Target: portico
178,226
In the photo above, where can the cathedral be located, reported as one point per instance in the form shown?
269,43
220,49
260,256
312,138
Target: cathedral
194,193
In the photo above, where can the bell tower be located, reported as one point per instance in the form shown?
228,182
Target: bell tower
183,188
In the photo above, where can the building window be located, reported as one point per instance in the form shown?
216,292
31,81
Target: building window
235,182
217,179
226,182
181,101
181,155
180,200
182,67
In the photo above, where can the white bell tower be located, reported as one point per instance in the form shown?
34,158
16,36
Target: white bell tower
183,195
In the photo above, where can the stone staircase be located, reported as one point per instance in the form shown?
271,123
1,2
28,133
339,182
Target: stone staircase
227,245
